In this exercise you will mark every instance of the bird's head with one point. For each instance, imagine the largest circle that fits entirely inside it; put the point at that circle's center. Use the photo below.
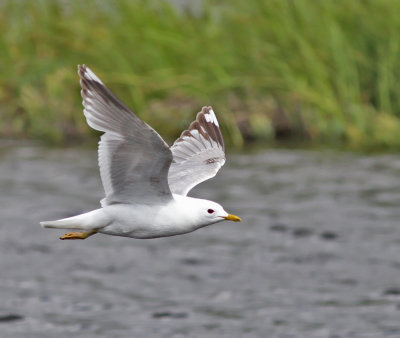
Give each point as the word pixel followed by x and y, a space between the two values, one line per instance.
pixel 209 212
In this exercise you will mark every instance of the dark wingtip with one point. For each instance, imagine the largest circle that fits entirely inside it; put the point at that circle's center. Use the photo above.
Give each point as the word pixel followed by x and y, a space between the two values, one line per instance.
pixel 206 108
pixel 81 70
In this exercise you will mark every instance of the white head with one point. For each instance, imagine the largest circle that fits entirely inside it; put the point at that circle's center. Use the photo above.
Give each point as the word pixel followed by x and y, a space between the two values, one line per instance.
pixel 205 212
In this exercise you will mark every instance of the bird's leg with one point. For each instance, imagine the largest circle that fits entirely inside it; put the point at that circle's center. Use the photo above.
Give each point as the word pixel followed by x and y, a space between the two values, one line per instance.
pixel 78 235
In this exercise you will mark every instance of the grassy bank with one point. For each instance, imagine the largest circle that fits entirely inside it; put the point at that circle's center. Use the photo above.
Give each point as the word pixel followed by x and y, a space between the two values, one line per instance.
pixel 323 71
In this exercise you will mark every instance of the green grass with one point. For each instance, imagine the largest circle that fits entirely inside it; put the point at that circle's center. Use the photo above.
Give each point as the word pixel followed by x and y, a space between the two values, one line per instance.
pixel 323 71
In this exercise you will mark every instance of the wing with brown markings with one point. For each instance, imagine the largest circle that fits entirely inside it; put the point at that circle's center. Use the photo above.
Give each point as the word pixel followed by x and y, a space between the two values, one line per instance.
pixel 198 153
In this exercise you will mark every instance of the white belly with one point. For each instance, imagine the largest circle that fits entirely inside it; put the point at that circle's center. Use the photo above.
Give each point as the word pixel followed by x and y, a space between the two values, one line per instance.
pixel 143 221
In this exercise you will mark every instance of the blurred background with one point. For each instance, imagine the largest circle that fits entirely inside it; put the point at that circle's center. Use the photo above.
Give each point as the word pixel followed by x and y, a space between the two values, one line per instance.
pixel 322 72
pixel 307 96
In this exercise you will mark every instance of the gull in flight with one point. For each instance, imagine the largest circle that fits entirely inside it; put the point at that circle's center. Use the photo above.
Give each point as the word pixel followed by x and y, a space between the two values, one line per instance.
pixel 145 181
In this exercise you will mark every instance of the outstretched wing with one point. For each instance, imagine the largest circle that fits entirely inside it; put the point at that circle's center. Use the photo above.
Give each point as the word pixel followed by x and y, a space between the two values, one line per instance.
pixel 133 159
pixel 198 153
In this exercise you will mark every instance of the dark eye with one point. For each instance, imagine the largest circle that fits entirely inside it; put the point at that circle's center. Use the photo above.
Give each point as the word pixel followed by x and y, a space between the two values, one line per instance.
pixel 210 211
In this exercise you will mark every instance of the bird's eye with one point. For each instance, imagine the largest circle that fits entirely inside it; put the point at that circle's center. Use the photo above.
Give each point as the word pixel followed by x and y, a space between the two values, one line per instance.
pixel 210 211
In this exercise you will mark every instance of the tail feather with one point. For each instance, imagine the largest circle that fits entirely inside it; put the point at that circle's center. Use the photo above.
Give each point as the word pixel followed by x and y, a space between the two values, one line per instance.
pixel 87 221
pixel 65 223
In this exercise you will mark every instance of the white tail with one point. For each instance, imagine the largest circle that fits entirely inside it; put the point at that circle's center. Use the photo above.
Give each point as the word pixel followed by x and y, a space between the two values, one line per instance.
pixel 85 221
pixel 66 223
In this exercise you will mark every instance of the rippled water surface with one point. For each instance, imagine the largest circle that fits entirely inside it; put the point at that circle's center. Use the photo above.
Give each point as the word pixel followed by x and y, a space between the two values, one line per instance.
pixel 317 253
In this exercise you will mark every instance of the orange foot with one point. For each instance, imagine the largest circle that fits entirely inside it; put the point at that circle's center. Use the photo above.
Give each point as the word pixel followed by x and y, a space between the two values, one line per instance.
pixel 78 235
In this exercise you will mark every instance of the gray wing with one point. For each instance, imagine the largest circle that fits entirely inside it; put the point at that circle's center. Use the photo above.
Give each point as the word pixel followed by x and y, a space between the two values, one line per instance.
pixel 133 159
pixel 198 153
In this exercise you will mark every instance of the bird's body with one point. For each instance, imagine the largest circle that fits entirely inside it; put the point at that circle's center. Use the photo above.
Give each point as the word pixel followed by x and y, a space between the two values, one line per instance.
pixel 145 181
pixel 142 221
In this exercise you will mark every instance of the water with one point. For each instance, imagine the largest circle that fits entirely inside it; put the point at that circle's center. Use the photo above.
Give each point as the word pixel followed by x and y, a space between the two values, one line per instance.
pixel 317 253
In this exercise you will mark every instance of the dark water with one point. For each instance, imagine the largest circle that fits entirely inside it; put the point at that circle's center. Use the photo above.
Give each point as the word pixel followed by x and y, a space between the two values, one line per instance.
pixel 317 255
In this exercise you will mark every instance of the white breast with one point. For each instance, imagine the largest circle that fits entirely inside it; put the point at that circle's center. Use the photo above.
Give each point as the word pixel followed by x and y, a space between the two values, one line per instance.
pixel 148 221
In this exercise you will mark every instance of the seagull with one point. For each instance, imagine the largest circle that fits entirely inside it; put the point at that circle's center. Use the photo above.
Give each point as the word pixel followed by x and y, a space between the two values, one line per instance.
pixel 145 181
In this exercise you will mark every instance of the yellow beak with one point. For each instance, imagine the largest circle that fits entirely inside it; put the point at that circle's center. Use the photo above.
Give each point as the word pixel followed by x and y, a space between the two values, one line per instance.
pixel 233 218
